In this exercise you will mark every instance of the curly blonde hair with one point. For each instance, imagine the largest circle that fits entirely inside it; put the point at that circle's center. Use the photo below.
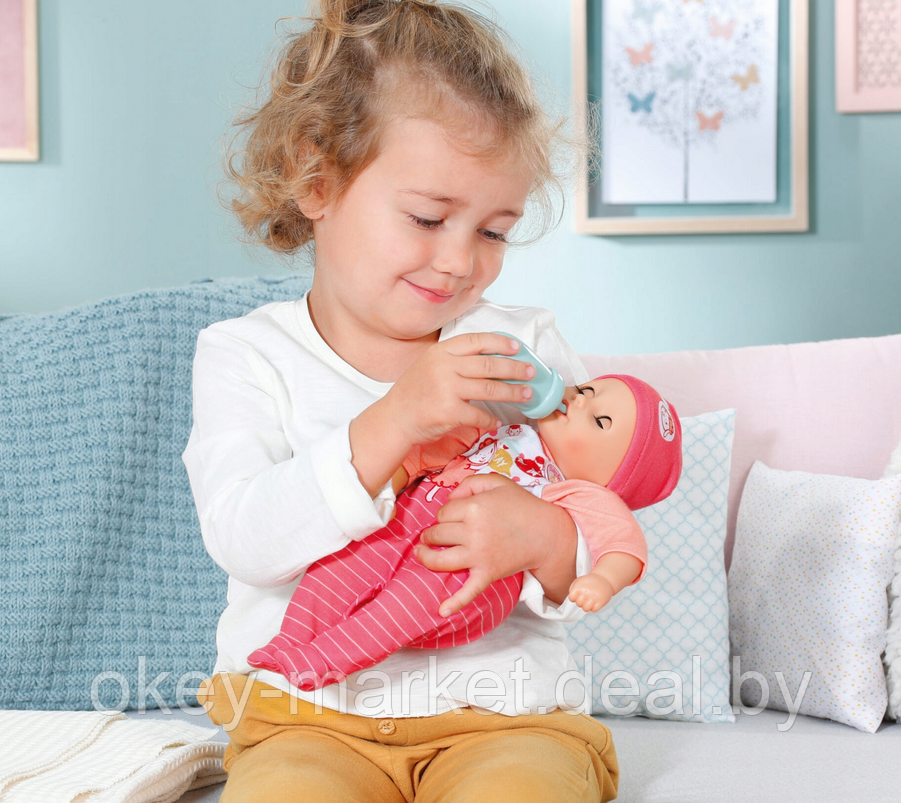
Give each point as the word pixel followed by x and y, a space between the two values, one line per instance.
pixel 339 80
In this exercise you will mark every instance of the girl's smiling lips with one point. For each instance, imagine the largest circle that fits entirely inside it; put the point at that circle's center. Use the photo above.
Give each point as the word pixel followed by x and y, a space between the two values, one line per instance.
pixel 435 296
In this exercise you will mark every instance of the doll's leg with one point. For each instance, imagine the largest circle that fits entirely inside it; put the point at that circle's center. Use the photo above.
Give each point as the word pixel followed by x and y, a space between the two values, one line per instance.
pixel 341 582
pixel 334 587
pixel 484 613
pixel 405 613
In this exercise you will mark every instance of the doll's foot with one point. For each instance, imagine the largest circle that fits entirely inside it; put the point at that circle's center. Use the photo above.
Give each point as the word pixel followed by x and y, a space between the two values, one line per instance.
pixel 303 664
pixel 590 592
pixel 310 681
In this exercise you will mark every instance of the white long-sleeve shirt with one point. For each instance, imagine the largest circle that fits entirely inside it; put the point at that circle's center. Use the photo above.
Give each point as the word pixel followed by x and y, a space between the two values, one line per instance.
pixel 269 462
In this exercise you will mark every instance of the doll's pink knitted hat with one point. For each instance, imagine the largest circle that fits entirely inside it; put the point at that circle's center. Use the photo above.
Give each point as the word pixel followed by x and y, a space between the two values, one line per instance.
pixel 651 468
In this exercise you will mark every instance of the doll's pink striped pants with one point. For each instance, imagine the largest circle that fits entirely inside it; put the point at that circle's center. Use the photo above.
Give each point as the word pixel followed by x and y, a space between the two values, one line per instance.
pixel 355 607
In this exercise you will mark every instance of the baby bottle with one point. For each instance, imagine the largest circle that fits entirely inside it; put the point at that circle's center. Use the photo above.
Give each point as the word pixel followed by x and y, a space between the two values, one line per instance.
pixel 547 385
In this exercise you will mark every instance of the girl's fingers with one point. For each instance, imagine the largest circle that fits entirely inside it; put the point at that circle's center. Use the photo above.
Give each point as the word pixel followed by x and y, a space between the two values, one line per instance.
pixel 474 484
pixel 452 559
pixel 493 390
pixel 448 533
pixel 480 343
pixel 479 366
pixel 475 584
pixel 476 417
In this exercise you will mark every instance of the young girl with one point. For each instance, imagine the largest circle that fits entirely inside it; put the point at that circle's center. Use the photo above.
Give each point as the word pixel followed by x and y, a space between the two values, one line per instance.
pixel 403 140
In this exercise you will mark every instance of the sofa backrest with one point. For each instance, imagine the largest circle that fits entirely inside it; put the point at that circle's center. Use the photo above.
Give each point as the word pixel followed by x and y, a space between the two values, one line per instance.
pixel 832 407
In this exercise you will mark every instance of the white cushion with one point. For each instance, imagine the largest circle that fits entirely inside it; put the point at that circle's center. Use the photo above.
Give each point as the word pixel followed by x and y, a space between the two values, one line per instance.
pixel 807 592
pixel 892 658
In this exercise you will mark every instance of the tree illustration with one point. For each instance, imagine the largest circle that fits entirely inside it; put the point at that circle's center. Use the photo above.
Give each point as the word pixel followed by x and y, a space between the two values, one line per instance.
pixel 685 69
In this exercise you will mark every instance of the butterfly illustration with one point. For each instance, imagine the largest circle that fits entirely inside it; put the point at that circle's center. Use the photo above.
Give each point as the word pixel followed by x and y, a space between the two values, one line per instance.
pixel 679 73
pixel 745 81
pixel 642 104
pixel 712 122
pixel 646 11
pixel 724 29
pixel 642 56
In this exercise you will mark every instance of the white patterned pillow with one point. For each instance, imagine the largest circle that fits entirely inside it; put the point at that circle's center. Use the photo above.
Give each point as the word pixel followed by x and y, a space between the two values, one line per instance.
pixel 807 592
pixel 892 657
pixel 661 648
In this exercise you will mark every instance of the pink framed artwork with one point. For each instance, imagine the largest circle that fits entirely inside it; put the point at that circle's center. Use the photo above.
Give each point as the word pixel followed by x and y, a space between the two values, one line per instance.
pixel 868 55
pixel 18 81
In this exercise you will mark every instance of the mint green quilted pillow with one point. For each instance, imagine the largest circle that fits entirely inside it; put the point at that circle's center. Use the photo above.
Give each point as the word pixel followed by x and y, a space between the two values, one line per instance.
pixel 661 648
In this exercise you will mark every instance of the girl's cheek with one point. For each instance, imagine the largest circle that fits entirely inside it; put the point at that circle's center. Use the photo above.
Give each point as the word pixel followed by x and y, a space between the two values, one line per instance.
pixel 491 270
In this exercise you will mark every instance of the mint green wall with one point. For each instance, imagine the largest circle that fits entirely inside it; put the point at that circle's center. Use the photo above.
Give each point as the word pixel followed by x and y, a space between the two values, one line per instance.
pixel 135 97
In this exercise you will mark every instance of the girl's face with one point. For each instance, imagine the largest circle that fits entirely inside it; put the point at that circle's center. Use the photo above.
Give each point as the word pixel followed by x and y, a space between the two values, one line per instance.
pixel 415 239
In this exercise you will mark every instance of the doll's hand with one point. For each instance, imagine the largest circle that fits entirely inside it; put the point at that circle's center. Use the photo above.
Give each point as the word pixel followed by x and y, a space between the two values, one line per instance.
pixel 591 592
pixel 494 528
pixel 432 396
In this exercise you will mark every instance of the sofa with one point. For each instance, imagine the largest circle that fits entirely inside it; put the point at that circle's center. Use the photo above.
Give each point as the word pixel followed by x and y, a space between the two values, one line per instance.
pixel 103 569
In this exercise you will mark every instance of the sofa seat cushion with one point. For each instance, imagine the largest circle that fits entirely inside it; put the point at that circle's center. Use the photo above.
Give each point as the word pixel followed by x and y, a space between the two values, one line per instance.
pixel 751 760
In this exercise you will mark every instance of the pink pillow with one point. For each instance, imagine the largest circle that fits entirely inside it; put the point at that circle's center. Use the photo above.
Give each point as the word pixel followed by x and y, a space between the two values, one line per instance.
pixel 832 407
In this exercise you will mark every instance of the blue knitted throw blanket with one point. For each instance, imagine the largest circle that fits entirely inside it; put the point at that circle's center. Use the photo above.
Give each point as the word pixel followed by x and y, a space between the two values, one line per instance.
pixel 107 596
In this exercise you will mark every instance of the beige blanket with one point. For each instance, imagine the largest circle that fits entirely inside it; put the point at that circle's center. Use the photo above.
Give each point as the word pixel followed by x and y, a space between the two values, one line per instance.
pixel 91 757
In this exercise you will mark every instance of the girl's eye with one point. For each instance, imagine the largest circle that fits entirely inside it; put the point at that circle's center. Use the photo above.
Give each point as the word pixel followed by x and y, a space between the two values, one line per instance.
pixel 493 235
pixel 604 421
pixel 426 223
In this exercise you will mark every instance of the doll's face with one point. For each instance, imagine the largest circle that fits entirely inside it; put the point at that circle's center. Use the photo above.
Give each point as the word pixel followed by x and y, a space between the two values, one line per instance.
pixel 590 440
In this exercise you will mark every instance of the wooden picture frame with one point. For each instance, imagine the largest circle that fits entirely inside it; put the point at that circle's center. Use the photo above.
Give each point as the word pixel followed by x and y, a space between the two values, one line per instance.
pixel 790 213
pixel 19 141
pixel 867 50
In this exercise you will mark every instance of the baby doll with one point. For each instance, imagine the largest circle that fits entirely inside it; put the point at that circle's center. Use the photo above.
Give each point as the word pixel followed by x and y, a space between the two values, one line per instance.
pixel 616 449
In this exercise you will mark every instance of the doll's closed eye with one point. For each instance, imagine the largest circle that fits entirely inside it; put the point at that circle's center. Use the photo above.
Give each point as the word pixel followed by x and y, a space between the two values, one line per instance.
pixel 604 421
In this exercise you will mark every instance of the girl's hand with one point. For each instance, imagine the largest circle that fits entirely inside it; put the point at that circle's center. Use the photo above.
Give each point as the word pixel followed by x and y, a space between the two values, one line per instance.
pixel 494 528
pixel 432 397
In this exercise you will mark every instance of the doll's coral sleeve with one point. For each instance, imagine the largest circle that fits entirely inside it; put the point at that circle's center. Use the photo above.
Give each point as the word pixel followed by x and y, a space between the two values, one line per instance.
pixel 603 518
pixel 429 457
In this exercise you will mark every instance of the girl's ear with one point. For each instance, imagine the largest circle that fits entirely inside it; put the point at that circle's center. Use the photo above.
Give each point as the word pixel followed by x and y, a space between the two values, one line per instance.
pixel 314 201
pixel 313 204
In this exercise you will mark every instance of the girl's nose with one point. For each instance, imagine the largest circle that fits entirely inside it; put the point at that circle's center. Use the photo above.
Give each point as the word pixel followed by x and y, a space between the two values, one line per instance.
pixel 455 258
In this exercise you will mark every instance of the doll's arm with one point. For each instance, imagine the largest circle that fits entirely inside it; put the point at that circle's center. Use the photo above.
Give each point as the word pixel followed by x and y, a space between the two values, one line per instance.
pixel 613 535
pixel 400 480
pixel 610 575
pixel 429 457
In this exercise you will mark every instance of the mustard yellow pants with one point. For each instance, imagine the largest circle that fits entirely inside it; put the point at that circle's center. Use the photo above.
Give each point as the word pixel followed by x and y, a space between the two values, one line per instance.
pixel 282 750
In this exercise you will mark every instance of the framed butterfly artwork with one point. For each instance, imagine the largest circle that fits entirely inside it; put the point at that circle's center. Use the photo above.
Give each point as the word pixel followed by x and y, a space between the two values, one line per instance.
pixel 18 81
pixel 868 56
pixel 699 109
